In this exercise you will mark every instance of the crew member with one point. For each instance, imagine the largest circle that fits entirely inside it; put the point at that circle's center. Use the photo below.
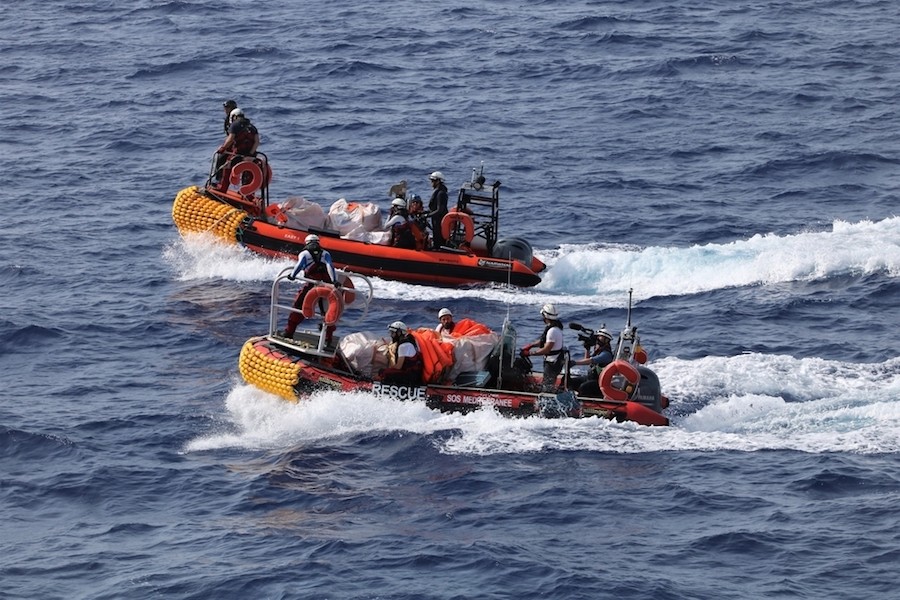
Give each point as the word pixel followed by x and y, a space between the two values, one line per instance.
pixel 550 346
pixel 313 263
pixel 404 358
pixel 242 141
pixel 437 207
pixel 400 226
pixel 601 356
pixel 445 327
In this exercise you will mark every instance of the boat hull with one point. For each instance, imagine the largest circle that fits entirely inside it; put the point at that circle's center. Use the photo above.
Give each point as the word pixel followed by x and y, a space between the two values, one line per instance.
pixel 235 220
pixel 294 375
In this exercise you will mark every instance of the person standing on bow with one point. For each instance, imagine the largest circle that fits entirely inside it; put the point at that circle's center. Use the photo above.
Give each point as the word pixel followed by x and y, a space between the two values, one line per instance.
pixel 228 105
pixel 404 358
pixel 445 327
pixel 437 207
pixel 242 141
pixel 601 356
pixel 313 263
pixel 550 346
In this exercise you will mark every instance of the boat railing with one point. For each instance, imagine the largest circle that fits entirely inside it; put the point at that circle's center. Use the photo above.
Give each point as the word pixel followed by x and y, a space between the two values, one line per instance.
pixel 355 295
pixel 249 176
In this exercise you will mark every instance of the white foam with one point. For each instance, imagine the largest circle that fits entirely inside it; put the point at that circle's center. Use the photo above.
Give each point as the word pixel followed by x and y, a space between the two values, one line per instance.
pixel 599 275
pixel 745 403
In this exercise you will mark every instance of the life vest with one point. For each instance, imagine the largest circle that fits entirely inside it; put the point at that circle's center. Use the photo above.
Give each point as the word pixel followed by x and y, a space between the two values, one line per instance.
pixel 418 230
pixel 402 236
pixel 411 364
pixel 244 137
pixel 597 368
pixel 318 270
pixel 543 340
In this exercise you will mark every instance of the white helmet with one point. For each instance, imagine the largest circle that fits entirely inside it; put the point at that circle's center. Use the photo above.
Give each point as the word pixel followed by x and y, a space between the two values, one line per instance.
pixel 312 238
pixel 445 312
pixel 398 203
pixel 437 175
pixel 549 311
pixel 604 333
pixel 235 114
pixel 398 326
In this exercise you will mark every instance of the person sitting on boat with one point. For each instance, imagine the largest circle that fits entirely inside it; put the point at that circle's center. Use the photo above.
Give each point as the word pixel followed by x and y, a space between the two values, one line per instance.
pixel 313 263
pixel 418 221
pixel 404 358
pixel 242 141
pixel 550 346
pixel 437 207
pixel 600 356
pixel 445 327
pixel 400 226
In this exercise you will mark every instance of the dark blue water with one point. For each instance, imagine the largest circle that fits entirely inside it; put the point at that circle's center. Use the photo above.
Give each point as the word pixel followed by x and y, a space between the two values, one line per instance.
pixel 734 163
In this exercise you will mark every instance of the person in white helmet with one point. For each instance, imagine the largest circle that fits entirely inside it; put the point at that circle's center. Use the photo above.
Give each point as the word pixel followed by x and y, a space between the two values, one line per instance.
pixel 313 263
pixel 550 346
pixel 242 141
pixel 445 327
pixel 437 207
pixel 400 225
pixel 404 358
pixel 600 356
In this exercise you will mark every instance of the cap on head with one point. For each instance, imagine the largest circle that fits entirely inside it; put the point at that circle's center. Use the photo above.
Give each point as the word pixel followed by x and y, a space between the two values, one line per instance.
pixel 230 104
pixel 398 327
pixel 436 175
pixel 445 312
pixel 235 114
pixel 548 311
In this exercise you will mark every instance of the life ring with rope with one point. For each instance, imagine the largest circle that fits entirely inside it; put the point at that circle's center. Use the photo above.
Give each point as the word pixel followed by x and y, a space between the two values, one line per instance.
pixel 334 298
pixel 628 372
pixel 454 217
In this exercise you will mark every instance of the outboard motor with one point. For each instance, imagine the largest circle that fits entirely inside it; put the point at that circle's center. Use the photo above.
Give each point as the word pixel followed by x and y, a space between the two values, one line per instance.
pixel 513 249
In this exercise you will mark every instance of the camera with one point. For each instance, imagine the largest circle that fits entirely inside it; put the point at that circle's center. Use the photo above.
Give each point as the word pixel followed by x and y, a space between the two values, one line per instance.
pixel 588 337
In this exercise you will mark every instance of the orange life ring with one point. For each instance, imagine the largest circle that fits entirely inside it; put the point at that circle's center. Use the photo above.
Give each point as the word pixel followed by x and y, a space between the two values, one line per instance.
pixel 626 370
pixel 257 180
pixel 455 217
pixel 349 293
pixel 335 303
pixel 275 211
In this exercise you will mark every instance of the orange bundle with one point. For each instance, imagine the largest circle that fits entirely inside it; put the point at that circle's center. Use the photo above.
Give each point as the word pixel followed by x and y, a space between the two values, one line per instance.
pixel 437 356
pixel 465 327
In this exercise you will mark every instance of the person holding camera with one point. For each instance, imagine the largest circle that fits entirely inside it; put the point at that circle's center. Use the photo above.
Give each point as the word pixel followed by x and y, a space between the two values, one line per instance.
pixel 599 357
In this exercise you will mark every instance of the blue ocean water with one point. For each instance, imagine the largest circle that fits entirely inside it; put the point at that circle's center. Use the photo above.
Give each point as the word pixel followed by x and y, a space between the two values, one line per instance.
pixel 735 164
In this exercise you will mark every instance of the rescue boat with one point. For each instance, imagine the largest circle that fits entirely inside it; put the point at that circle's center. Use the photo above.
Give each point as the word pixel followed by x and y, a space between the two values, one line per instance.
pixel 476 368
pixel 238 210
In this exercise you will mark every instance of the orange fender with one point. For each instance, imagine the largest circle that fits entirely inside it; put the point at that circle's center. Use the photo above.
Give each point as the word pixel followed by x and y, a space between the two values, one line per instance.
pixel 454 217
pixel 335 303
pixel 626 370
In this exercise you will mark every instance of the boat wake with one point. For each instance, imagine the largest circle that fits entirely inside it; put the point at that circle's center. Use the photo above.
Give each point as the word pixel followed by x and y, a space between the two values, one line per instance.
pixel 598 275
pixel 849 248
pixel 744 403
